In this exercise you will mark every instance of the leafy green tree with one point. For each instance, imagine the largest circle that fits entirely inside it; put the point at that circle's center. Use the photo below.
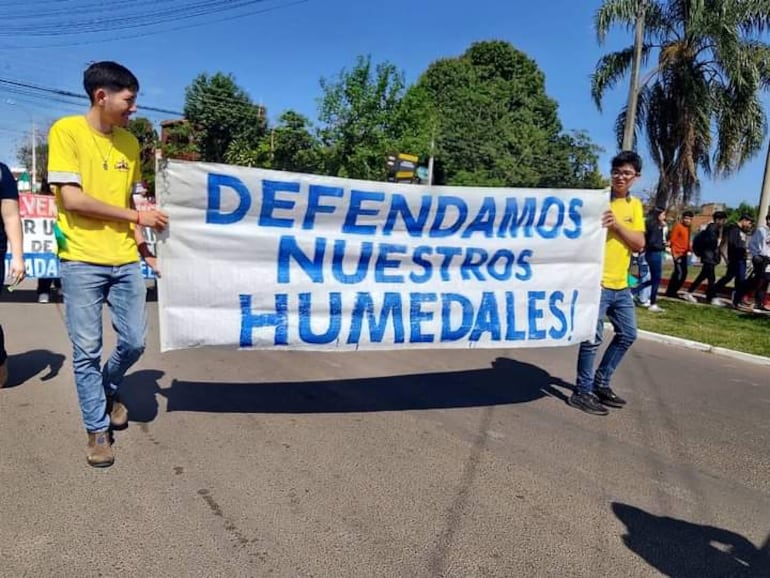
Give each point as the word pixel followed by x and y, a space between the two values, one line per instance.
pixel 358 110
pixel 244 154
pixel 699 104
pixel 24 156
pixel 733 214
pixel 222 113
pixel 574 163
pixel 293 146
pixel 147 136
pixel 494 124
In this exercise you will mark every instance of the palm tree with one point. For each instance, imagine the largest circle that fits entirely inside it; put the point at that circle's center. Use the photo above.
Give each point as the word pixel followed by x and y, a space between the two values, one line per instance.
pixel 698 104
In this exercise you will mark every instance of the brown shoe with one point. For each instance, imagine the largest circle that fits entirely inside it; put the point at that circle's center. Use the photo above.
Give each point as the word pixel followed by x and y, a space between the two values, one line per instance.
pixel 118 412
pixel 99 450
pixel 4 373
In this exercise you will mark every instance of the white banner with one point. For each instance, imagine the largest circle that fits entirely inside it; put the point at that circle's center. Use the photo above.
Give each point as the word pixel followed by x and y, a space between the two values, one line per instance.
pixel 267 259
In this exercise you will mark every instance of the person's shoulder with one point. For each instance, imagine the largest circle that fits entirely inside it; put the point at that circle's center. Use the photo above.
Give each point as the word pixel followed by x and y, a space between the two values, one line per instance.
pixel 5 173
pixel 635 202
pixel 69 122
pixel 69 125
pixel 8 187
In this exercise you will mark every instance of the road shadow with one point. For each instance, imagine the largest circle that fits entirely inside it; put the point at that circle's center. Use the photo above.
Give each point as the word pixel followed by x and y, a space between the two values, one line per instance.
pixel 507 381
pixel 682 549
pixel 24 366
pixel 20 296
pixel 139 392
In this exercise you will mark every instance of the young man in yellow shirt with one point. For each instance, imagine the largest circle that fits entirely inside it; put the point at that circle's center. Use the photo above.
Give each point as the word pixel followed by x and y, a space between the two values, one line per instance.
pixel 625 235
pixel 93 167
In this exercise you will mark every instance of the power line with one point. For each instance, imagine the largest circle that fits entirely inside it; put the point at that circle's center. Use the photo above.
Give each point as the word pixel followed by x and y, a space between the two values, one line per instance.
pixel 61 29
pixel 73 20
pixel 65 93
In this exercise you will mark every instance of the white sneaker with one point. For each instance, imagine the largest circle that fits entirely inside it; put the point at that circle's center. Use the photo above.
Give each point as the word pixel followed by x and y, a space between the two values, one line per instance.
pixel 44 298
pixel 717 302
pixel 689 297
pixel 644 303
pixel 655 309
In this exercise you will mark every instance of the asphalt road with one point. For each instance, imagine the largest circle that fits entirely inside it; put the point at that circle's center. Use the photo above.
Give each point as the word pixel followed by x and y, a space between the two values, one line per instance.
pixel 410 464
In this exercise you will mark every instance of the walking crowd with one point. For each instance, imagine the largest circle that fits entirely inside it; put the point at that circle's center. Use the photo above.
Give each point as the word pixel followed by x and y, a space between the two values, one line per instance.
pixel 744 249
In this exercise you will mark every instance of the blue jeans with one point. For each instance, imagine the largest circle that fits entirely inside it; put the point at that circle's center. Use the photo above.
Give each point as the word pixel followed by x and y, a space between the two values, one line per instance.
pixel 618 306
pixel 86 288
pixel 645 280
pixel 654 261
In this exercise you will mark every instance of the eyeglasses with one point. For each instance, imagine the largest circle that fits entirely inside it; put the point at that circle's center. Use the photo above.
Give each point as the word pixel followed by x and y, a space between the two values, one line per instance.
pixel 624 174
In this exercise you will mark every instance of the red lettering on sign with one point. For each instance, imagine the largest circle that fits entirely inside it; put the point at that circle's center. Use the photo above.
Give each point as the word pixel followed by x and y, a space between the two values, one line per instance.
pixel 37 206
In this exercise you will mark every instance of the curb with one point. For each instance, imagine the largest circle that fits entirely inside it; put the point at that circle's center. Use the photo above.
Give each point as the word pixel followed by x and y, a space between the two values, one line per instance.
pixel 698 346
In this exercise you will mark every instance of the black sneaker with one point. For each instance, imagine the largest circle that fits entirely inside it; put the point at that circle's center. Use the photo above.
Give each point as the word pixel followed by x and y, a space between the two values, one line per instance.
pixel 609 397
pixel 588 403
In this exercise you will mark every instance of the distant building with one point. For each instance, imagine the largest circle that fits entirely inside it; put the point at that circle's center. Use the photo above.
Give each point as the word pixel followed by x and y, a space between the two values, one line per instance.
pixel 177 140
pixel 706 215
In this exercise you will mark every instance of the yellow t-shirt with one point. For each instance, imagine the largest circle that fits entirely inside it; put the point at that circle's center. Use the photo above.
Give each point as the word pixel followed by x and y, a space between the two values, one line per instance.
pixel 106 168
pixel 629 212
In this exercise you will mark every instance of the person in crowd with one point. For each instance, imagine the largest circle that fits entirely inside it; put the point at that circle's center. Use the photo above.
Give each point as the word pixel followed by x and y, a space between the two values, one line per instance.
pixel 10 230
pixel 706 246
pixel 736 243
pixel 624 221
pixel 680 252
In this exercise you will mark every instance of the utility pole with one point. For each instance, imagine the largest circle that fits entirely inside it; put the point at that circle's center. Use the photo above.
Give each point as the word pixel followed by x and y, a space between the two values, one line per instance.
pixel 33 179
pixel 430 162
pixel 764 197
pixel 633 90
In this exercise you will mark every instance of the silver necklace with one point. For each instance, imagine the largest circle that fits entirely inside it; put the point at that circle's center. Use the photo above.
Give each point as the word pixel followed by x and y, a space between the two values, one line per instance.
pixel 105 159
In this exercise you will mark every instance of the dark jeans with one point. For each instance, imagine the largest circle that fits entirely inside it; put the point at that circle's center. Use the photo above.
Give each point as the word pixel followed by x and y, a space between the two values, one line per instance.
pixel 759 279
pixel 735 270
pixel 707 273
pixel 44 285
pixel 678 277
pixel 655 263
pixel 3 354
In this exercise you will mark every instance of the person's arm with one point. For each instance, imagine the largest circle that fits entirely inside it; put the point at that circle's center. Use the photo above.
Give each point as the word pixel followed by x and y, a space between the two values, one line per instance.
pixel 144 249
pixel 12 222
pixel 755 243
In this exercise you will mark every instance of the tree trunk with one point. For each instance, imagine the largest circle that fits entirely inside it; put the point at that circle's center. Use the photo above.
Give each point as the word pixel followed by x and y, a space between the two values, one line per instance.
pixel 633 90
pixel 764 197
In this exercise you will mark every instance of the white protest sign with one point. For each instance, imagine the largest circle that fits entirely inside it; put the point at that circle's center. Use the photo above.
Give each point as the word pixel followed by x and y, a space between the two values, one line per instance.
pixel 267 259
pixel 38 215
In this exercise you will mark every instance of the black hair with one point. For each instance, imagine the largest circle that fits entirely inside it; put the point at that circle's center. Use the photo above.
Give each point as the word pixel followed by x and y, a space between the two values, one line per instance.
pixel 109 75
pixel 719 215
pixel 746 217
pixel 627 158
pixel 688 214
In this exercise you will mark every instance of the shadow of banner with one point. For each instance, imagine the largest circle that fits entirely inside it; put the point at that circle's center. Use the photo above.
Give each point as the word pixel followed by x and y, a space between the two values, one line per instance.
pixel 506 382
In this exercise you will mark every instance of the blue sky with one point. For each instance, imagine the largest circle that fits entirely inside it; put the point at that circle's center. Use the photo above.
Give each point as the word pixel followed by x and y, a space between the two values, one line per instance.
pixel 279 56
